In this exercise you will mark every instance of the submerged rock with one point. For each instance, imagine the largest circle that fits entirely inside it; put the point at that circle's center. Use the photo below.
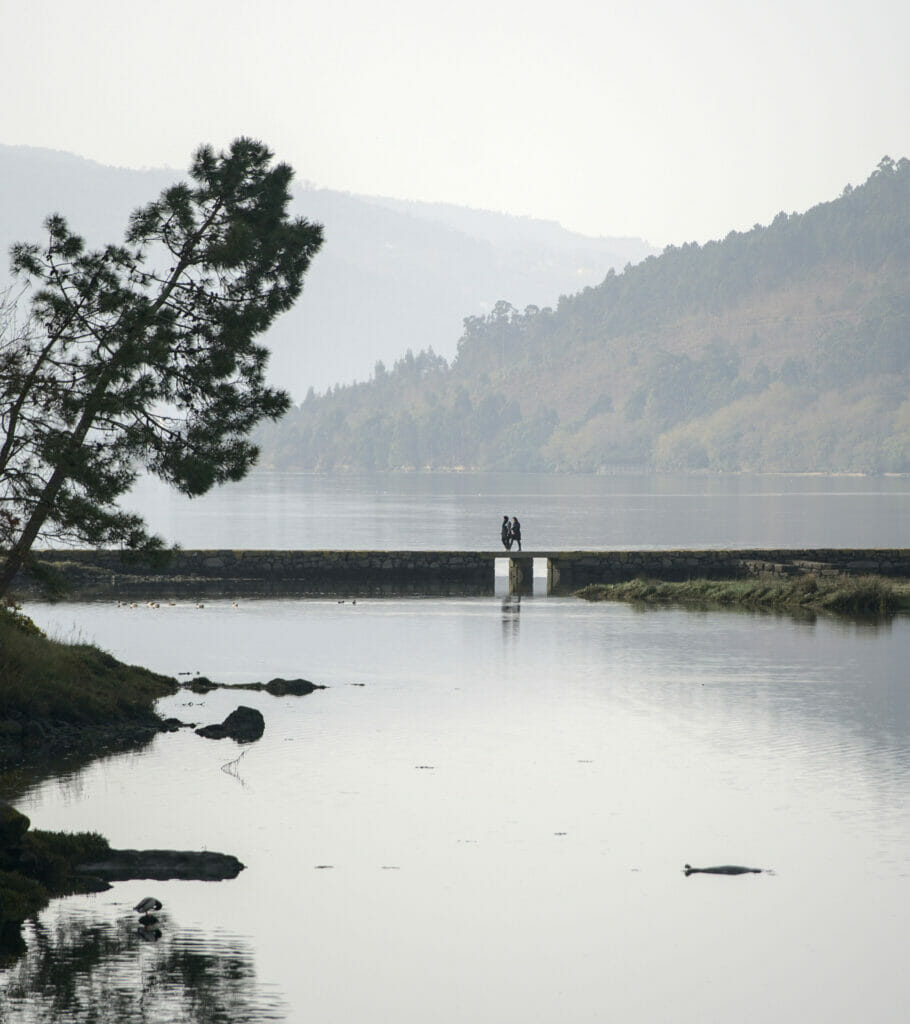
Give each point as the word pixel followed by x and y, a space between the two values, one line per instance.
pixel 287 687
pixel 161 865
pixel 173 725
pixel 243 724
pixel 200 684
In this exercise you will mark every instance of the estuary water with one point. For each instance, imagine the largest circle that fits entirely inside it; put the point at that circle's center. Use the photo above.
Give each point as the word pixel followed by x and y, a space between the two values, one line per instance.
pixel 423 511
pixel 485 814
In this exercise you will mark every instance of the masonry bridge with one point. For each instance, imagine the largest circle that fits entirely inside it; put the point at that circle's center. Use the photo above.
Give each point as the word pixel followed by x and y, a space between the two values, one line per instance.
pixel 439 572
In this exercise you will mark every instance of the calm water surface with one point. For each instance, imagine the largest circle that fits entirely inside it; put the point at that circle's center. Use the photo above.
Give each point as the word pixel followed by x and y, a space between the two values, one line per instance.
pixel 485 816
pixel 419 511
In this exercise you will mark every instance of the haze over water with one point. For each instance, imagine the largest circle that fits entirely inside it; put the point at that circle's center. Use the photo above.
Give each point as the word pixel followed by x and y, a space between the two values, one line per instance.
pixel 486 814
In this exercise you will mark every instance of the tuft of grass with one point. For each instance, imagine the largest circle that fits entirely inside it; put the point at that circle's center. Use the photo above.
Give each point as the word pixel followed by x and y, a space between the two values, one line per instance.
pixel 843 595
pixel 46 679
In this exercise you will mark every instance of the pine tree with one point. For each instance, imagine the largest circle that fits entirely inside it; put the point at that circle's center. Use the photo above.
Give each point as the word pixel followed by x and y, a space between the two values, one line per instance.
pixel 142 356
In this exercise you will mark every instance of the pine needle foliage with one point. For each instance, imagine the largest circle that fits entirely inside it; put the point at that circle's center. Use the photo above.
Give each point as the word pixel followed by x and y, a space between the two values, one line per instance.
pixel 143 356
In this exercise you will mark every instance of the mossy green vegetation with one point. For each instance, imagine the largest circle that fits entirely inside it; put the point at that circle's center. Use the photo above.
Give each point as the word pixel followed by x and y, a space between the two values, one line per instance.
pixel 844 595
pixel 36 866
pixel 75 683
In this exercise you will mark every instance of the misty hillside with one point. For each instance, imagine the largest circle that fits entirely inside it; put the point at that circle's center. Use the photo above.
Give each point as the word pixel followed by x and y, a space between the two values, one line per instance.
pixel 784 348
pixel 391 274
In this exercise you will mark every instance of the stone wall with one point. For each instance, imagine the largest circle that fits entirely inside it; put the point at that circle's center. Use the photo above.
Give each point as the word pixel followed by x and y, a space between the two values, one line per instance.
pixel 444 571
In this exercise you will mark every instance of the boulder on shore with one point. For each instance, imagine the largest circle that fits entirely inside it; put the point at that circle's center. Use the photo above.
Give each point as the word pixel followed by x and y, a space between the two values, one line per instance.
pixel 242 724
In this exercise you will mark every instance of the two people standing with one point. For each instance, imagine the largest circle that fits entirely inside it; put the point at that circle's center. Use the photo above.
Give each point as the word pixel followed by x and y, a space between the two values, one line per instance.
pixel 510 532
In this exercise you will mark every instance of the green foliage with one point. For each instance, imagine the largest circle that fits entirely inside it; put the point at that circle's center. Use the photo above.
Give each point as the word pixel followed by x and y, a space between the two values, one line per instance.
pixel 142 355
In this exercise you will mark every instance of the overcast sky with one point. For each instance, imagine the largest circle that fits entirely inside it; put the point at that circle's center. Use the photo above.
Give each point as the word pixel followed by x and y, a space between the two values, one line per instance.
pixel 667 120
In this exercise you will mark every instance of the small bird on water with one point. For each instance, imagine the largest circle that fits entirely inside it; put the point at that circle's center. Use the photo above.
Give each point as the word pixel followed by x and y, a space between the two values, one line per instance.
pixel 147 905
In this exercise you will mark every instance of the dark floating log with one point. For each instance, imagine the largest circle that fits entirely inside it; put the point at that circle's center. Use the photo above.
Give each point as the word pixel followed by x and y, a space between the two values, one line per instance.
pixel 723 869
pixel 161 865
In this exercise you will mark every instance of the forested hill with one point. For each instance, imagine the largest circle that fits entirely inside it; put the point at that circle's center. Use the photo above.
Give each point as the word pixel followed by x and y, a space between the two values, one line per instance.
pixel 784 348
pixel 391 274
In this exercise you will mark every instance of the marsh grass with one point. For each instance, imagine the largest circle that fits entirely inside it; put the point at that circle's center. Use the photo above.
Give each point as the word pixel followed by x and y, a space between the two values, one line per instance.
pixel 44 678
pixel 843 595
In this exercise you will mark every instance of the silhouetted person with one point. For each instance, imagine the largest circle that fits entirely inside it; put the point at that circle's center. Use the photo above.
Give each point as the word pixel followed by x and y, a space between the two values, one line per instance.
pixel 506 533
pixel 516 532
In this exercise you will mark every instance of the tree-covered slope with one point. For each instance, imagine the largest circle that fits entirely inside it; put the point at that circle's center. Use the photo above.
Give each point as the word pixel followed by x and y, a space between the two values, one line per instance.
pixel 390 275
pixel 783 348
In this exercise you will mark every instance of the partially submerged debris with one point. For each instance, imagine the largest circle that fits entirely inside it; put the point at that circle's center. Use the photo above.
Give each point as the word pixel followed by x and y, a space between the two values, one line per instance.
pixel 723 869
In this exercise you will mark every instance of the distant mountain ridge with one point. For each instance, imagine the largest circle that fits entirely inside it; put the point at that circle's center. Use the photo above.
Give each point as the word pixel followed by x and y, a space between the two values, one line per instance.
pixel 392 274
pixel 784 348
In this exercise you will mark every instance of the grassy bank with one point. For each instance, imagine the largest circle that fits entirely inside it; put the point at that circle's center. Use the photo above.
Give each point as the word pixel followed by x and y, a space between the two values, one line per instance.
pixel 58 698
pixel 844 595
pixel 44 680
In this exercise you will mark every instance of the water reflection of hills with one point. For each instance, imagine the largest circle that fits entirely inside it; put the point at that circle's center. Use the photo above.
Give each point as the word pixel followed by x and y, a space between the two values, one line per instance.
pixel 79 968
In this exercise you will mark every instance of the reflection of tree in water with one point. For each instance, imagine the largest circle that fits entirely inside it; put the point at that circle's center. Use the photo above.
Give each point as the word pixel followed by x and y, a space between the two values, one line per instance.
pixel 89 972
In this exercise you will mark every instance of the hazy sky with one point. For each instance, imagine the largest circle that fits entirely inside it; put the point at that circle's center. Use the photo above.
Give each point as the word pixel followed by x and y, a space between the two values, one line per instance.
pixel 668 120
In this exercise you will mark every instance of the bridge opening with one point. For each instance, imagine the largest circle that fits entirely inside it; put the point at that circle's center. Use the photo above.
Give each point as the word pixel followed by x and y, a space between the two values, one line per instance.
pixel 522 575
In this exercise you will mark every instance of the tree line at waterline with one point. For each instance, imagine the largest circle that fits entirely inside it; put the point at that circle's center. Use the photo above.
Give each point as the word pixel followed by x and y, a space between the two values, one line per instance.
pixel 784 348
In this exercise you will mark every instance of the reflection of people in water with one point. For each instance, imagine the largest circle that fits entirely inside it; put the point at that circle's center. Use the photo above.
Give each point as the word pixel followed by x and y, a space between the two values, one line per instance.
pixel 511 607
pixel 506 533
pixel 515 532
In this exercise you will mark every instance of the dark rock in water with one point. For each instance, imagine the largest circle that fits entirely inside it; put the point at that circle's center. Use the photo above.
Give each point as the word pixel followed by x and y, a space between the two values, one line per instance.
pixel 119 865
pixel 201 684
pixel 723 869
pixel 291 687
pixel 13 826
pixel 172 725
pixel 276 687
pixel 243 724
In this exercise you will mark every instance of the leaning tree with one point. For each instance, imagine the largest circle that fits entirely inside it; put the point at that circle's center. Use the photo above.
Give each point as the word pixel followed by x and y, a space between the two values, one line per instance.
pixel 142 356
